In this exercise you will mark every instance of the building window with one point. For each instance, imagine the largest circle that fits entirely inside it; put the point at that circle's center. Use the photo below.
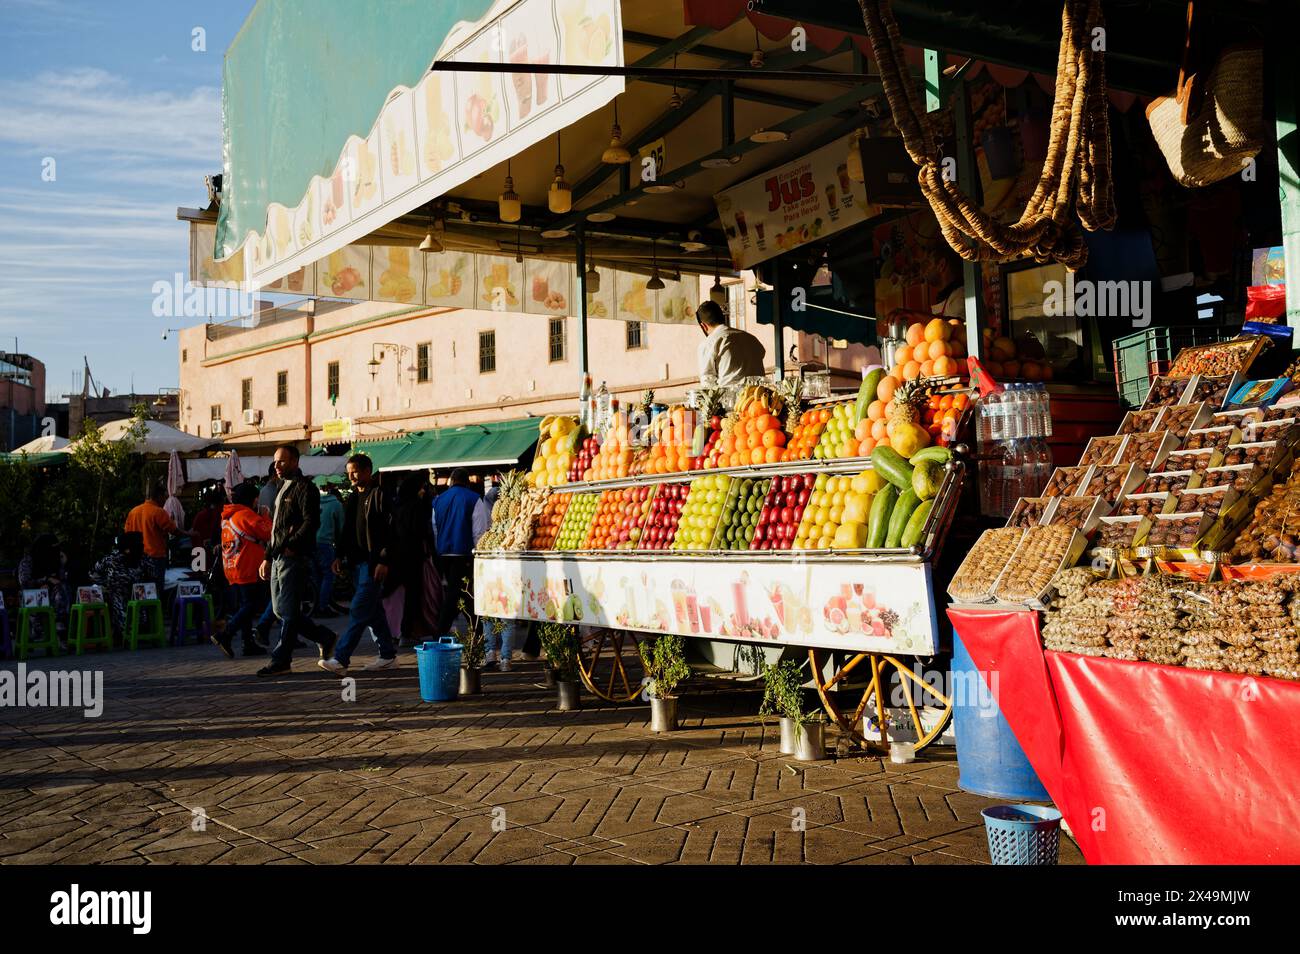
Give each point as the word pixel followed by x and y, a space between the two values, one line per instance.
pixel 558 340
pixel 635 333
pixel 332 380
pixel 422 362
pixel 281 388
pixel 185 355
pixel 245 394
pixel 215 417
pixel 487 352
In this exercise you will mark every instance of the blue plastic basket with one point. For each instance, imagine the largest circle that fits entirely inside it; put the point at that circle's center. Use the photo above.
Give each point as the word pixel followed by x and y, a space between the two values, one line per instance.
pixel 1022 834
pixel 439 668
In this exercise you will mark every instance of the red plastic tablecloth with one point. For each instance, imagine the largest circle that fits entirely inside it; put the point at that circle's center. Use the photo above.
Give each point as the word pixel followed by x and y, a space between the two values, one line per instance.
pixel 1149 764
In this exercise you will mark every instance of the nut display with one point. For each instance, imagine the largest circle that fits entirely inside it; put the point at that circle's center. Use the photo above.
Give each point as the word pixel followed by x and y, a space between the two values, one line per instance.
pixel 1240 477
pixel 1076 512
pixel 1217 438
pixel 1168 481
pixel 1138 422
pixel 1263 453
pixel 1143 505
pixel 1040 556
pixel 1193 460
pixel 1223 358
pixel 1065 481
pixel 979 571
pixel 1102 450
pixel 1176 530
pixel 1109 482
pixel 1121 532
pixel 1212 390
pixel 1029 511
pixel 1182 418
pixel 1146 450
pixel 1164 392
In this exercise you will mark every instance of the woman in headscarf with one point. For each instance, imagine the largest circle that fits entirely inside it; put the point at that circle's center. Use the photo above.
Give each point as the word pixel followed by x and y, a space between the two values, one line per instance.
pixel 118 573
pixel 44 566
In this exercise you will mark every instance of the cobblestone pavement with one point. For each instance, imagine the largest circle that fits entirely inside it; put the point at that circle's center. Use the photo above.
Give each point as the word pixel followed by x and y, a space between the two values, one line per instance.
pixel 288 772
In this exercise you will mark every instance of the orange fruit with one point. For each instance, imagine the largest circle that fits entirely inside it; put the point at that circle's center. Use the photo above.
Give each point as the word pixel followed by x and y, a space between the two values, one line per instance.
pixel 739 459
pixel 770 437
pixel 851 447
pixel 945 402
pixel 772 455
pixel 765 422
pixel 885 389
pixel 683 462
pixel 915 334
pixel 957 348
pixel 877 429
pixel 876 410
pixel 937 349
pixel 866 446
pixel 863 429
pixel 945 366
pixel 823 416
pixel 903 354
pixel 927 368
pixel 937 329
pixel 959 401
pixel 883 442
pixel 911 371
pixel 757 455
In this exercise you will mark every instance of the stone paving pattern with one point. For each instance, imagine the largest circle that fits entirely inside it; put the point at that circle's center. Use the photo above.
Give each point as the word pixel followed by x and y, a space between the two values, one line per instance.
pixel 289 773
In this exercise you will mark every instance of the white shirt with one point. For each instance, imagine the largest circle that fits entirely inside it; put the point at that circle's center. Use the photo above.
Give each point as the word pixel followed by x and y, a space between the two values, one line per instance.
pixel 478 523
pixel 728 355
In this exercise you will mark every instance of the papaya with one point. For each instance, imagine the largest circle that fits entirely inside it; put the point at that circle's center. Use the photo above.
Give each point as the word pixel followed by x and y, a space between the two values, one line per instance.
pixel 926 478
pixel 903 507
pixel 878 525
pixel 867 394
pixel 892 466
pixel 916 524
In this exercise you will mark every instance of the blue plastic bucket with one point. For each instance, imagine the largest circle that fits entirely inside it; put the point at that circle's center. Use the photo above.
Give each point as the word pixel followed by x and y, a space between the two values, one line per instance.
pixel 439 667
pixel 989 759
pixel 1022 834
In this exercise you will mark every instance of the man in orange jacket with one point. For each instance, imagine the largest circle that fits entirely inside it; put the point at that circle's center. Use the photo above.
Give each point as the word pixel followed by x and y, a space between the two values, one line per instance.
pixel 244 536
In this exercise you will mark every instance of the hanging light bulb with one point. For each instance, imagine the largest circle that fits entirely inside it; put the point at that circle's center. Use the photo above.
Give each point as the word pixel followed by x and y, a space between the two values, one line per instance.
pixel 591 279
pixel 717 294
pixel 675 100
pixel 853 164
pixel 756 59
pixel 430 243
pixel 655 283
pixel 560 199
pixel 508 205
pixel 616 154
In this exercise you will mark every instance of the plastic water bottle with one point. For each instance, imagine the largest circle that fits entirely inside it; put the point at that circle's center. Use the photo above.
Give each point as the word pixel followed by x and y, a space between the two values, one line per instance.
pixel 1014 404
pixel 1046 410
pixel 997 428
pixel 602 407
pixel 1012 473
pixel 1045 462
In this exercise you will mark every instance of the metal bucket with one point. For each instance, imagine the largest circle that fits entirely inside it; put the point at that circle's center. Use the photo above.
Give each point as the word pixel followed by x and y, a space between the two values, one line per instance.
pixel 568 698
pixel 470 682
pixel 548 674
pixel 663 714
pixel 811 744
pixel 788 736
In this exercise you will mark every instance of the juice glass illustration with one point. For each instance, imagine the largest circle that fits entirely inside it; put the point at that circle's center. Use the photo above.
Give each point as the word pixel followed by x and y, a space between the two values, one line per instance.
pixel 759 229
pixel 706 618
pixel 739 597
pixel 831 204
pixel 693 611
pixel 523 82
pixel 541 288
pixel 740 224
pixel 778 603
pixel 846 187
pixel 679 604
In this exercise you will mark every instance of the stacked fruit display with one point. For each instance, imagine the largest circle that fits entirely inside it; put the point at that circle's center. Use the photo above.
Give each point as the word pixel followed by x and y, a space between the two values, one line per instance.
pixel 665 510
pixel 587 451
pixel 807 432
pixel 614 459
pixel 619 517
pixel 1023 359
pixel 934 348
pixel 756 438
pixel 740 515
pixel 548 524
pixel 942 416
pixel 577 521
pixel 703 512
pixel 836 502
pixel 782 512
pixel 838 439
pixel 557 446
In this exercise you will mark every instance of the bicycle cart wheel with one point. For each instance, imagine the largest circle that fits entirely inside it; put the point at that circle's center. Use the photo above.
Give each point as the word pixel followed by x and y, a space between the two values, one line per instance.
pixel 609 662
pixel 877 672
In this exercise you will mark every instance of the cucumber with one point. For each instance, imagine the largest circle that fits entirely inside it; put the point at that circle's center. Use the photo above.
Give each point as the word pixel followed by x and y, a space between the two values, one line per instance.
pixel 892 467
pixel 940 455
pixel 916 524
pixel 907 502
pixel 878 524
pixel 866 394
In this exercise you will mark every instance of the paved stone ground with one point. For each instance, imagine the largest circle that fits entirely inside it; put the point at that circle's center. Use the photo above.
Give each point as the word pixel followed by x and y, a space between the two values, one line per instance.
pixel 287 772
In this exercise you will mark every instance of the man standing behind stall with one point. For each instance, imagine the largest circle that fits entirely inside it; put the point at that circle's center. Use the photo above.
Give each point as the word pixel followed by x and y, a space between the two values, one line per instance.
pixel 289 560
pixel 727 355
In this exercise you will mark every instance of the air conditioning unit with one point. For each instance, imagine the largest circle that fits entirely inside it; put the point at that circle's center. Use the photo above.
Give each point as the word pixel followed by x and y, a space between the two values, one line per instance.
pixel 252 416
pixel 218 427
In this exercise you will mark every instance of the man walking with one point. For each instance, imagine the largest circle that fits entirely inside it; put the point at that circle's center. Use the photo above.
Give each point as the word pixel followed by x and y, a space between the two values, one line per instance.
pixel 288 561
pixel 365 547
pixel 460 517
pixel 150 520
pixel 327 539
pixel 245 534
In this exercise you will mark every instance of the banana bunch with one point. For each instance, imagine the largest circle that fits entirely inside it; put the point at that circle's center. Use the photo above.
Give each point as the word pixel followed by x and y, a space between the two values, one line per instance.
pixel 760 394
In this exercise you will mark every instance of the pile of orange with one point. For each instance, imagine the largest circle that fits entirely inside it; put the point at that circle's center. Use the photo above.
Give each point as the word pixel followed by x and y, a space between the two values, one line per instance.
pixel 807 432
pixel 942 416
pixel 670 454
pixel 614 459
pixel 547 527
pixel 756 438
pixel 936 348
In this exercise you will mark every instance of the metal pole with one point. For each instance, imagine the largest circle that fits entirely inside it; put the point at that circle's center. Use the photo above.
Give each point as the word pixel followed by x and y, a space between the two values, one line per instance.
pixel 968 180
pixel 1287 87
pixel 581 261
pixel 778 329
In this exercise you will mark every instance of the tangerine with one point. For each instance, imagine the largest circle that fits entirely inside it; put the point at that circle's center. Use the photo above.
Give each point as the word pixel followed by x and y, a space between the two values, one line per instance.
pixel 757 455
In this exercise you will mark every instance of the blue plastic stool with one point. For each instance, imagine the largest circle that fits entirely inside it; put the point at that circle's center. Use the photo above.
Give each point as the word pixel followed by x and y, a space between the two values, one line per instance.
pixel 144 624
pixel 439 668
pixel 183 624
pixel 89 625
pixel 6 639
pixel 1022 834
pixel 49 640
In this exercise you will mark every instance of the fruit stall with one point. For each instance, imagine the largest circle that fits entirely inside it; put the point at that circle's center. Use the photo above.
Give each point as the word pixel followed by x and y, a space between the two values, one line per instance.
pixel 772 525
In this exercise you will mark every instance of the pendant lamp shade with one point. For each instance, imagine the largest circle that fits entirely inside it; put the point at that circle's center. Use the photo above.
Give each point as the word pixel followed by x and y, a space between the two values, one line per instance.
pixel 509 208
pixel 616 154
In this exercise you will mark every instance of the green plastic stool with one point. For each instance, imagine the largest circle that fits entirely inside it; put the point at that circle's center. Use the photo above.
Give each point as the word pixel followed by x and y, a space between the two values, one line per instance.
pixel 49 641
pixel 144 624
pixel 89 626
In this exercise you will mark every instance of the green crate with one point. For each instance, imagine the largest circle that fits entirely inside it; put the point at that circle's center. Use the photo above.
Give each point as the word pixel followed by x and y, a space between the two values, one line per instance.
pixel 1145 355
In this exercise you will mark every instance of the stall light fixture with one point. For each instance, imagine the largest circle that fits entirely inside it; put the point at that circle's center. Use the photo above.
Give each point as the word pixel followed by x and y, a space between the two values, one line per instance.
pixel 655 283
pixel 853 164
pixel 601 217
pixel 560 199
pixel 508 205
pixel 719 162
pixel 675 100
pixel 591 279
pixel 616 154
pixel 769 135
pixel 663 188
pixel 373 366
pixel 431 243
pixel 756 59
pixel 555 233
pixel 717 294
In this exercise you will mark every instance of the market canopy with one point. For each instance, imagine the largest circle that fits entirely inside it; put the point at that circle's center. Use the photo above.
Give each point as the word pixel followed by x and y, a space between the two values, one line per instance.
pixel 499 444
pixel 50 459
pixel 158 438
pixel 45 444
pixel 333 124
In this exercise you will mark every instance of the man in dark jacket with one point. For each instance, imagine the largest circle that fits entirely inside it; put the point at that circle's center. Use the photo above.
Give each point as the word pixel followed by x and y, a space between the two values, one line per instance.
pixel 365 546
pixel 289 560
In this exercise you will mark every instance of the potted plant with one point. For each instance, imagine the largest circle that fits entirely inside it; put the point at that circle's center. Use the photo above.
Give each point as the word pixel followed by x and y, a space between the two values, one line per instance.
pixel 560 644
pixel 810 733
pixel 473 651
pixel 664 659
pixel 783 697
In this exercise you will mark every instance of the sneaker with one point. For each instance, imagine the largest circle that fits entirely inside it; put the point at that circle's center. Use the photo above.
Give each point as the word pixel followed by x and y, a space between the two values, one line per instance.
pixel 251 648
pixel 489 659
pixel 379 662
pixel 334 667
pixel 329 639
pixel 223 642
pixel 261 635
pixel 504 665
pixel 275 669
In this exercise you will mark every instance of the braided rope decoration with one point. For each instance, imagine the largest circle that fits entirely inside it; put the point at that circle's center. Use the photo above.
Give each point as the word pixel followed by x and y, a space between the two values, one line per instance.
pixel 1076 171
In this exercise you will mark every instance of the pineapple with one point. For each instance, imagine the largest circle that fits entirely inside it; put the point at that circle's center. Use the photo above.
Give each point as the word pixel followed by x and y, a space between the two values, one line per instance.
pixel 907 436
pixel 643 413
pixel 790 391
pixel 513 484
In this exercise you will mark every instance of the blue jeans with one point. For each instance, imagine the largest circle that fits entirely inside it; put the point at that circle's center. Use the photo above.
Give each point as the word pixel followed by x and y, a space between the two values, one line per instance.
pixel 367 611
pixel 290 585
pixel 248 602
pixel 324 575
pixel 507 638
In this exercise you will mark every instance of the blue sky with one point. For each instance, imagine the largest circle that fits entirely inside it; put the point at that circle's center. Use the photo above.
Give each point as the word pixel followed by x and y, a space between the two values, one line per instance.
pixel 131 115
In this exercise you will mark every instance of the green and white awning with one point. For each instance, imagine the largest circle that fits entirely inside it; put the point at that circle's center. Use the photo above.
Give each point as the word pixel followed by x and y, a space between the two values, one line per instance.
pixel 333 125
